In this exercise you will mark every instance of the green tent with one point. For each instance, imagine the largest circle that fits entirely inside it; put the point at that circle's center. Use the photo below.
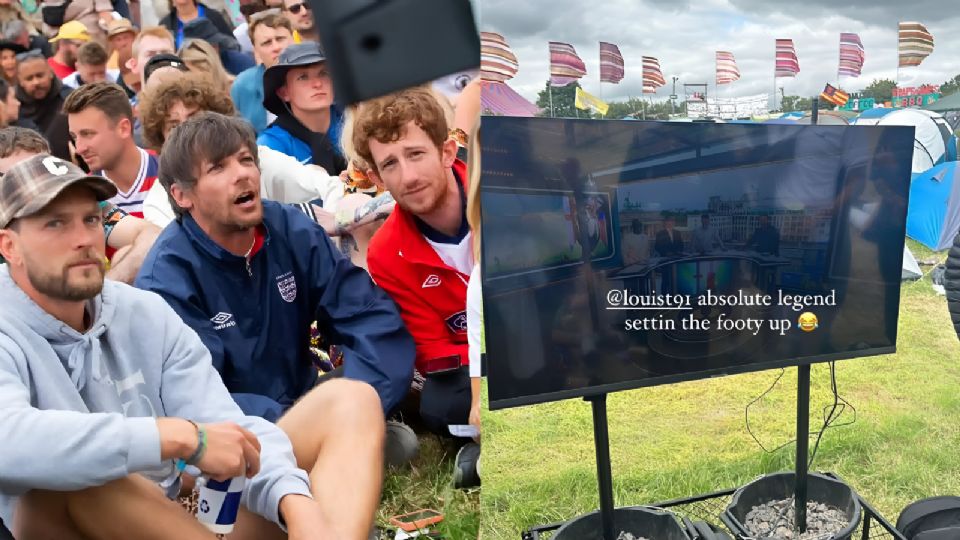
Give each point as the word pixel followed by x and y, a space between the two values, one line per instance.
pixel 944 104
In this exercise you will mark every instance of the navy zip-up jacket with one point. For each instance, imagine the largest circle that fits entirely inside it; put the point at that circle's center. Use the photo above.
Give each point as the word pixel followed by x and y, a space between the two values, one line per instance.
pixel 255 319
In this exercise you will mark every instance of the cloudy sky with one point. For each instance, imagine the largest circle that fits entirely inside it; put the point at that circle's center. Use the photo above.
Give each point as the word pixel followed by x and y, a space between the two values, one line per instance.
pixel 684 34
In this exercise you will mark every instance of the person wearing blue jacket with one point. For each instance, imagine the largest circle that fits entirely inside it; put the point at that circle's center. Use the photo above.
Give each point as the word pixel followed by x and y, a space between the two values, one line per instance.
pixel 298 90
pixel 249 276
pixel 253 311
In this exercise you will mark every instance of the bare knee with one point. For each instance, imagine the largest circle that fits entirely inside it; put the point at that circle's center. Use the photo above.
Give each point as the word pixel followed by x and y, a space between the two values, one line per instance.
pixel 355 401
pixel 349 402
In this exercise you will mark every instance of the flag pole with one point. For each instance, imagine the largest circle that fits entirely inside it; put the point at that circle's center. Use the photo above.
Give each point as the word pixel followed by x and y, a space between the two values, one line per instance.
pixel 550 79
pixel 599 73
pixel 897 80
pixel 550 93
pixel 774 91
pixel 716 83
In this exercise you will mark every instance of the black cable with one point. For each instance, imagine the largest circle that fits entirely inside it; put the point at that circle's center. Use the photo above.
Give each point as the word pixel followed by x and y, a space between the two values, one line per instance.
pixel 830 414
pixel 833 415
pixel 746 414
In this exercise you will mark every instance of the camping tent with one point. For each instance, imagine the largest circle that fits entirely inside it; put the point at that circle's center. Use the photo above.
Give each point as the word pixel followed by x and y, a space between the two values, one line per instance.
pixel 824 118
pixel 911 270
pixel 934 141
pixel 944 104
pixel 933 217
pixel 499 99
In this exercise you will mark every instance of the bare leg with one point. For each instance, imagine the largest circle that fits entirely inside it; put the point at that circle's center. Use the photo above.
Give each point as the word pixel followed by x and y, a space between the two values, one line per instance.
pixel 337 431
pixel 107 512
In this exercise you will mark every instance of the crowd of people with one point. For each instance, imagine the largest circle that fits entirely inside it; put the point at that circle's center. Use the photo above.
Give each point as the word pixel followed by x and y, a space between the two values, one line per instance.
pixel 210 267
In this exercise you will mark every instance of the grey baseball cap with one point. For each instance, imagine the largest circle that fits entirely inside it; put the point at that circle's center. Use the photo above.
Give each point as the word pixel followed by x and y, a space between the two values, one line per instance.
pixel 32 184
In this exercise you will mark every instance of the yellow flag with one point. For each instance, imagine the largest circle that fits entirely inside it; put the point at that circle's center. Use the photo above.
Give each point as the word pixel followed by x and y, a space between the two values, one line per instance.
pixel 586 101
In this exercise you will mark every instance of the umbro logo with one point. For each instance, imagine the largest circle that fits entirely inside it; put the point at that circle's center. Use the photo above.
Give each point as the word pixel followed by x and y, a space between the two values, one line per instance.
pixel 222 320
pixel 432 280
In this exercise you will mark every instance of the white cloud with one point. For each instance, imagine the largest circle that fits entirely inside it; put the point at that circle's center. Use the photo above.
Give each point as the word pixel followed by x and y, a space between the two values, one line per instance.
pixel 684 35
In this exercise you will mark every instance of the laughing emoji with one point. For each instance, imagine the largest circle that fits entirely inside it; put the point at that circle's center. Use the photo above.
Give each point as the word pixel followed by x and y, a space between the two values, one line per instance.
pixel 807 322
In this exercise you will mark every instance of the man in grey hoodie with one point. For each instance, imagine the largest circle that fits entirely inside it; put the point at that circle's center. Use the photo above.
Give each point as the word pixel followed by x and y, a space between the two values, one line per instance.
pixel 97 406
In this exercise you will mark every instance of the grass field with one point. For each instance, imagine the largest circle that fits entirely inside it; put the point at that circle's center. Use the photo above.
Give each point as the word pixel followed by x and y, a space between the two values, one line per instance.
pixel 428 483
pixel 680 440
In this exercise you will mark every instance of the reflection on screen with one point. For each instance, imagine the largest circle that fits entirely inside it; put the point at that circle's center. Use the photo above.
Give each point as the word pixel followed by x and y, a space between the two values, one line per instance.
pixel 550 230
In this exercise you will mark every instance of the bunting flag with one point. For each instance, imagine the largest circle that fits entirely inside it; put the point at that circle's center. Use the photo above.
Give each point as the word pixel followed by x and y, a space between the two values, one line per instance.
pixel 834 95
pixel 727 71
pixel 565 66
pixel 611 63
pixel 916 43
pixel 586 101
pixel 652 76
pixel 851 55
pixel 788 65
pixel 497 61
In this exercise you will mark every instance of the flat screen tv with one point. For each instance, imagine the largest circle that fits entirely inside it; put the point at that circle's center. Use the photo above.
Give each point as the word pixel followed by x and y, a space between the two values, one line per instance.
pixel 622 254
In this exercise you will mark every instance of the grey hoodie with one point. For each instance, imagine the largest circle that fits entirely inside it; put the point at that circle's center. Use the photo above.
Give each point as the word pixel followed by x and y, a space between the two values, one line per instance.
pixel 77 410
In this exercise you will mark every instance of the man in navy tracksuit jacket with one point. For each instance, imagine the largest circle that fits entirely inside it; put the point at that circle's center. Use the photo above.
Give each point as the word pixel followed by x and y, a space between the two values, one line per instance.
pixel 254 316
pixel 249 276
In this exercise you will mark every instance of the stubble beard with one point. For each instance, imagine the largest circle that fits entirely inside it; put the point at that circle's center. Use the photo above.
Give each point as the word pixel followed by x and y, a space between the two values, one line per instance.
pixel 59 287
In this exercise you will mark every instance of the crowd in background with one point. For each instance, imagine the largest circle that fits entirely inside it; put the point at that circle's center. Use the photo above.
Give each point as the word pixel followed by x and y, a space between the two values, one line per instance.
pixel 322 254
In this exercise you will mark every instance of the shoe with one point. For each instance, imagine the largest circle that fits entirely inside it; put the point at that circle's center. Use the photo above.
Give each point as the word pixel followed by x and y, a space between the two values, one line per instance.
pixel 467 473
pixel 401 446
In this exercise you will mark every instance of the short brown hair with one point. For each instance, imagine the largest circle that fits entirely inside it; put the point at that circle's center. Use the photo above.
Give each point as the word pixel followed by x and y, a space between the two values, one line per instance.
pixel 209 137
pixel 15 138
pixel 108 97
pixel 155 31
pixel 193 89
pixel 385 118
pixel 92 53
pixel 270 20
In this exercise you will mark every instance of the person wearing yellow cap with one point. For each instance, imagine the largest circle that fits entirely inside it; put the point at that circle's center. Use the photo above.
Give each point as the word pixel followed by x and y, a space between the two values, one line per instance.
pixel 68 39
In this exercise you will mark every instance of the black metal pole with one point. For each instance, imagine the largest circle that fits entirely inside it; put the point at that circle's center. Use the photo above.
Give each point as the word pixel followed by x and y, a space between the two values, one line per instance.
pixel 803 446
pixel 803 412
pixel 601 441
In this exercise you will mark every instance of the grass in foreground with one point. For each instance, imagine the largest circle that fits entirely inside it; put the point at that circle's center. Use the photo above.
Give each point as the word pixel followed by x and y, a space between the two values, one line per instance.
pixel 680 440
pixel 428 483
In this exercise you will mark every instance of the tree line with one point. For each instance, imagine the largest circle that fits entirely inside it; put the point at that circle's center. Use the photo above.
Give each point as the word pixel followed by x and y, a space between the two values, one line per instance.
pixel 562 101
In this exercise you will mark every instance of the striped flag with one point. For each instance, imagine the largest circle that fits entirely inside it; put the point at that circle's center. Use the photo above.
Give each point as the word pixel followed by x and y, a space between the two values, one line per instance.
pixel 834 95
pixel 497 61
pixel 727 71
pixel 788 65
pixel 611 63
pixel 652 76
pixel 851 55
pixel 565 66
pixel 916 43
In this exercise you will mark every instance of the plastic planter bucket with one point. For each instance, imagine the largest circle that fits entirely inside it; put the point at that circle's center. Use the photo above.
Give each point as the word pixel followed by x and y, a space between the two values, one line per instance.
pixel 639 521
pixel 820 489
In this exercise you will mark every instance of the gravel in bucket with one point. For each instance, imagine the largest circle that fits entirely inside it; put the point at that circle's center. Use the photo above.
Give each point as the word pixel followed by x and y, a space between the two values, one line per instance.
pixel 624 535
pixel 775 519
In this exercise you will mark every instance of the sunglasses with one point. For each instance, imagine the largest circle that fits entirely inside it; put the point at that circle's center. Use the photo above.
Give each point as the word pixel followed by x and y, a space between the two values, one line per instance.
pixel 295 9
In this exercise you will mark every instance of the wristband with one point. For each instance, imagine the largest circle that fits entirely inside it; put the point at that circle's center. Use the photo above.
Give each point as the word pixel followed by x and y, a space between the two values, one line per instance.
pixel 200 450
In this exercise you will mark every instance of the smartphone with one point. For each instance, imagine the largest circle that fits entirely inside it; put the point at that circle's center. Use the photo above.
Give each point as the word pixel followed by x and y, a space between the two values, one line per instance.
pixel 417 520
